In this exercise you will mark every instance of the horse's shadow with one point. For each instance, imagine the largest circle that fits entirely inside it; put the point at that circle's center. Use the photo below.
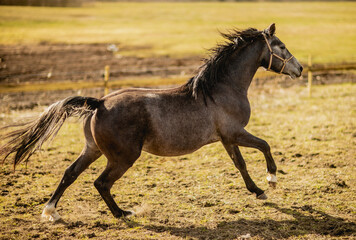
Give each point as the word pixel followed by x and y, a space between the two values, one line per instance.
pixel 315 222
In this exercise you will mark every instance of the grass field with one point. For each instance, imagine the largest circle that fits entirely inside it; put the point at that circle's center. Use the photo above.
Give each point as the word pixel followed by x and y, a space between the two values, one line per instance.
pixel 201 195
pixel 326 30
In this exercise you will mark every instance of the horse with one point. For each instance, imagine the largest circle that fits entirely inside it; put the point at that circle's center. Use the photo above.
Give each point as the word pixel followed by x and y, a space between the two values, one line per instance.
pixel 211 106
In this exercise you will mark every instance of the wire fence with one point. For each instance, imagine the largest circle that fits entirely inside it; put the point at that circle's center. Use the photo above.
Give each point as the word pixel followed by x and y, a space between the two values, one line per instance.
pixel 174 70
pixel 314 68
pixel 100 73
pixel 29 95
pixel 101 77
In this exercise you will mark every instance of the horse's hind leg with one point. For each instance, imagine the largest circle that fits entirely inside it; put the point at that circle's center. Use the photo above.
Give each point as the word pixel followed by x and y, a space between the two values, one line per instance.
pixel 87 157
pixel 235 154
pixel 118 164
pixel 89 154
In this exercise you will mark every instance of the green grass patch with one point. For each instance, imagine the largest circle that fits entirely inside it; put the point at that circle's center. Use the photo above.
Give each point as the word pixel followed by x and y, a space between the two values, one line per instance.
pixel 326 30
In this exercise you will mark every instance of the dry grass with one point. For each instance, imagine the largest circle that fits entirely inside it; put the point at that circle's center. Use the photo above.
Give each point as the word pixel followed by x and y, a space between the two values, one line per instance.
pixel 326 30
pixel 67 85
pixel 112 84
pixel 201 195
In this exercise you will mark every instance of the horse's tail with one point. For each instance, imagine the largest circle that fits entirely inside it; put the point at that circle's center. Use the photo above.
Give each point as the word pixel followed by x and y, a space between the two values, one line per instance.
pixel 25 141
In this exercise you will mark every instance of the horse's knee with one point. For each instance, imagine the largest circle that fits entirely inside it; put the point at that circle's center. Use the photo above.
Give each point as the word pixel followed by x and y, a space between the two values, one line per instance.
pixel 103 183
pixel 264 146
pixel 100 185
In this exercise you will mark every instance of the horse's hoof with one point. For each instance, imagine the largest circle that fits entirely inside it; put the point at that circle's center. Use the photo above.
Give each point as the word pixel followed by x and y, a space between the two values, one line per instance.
pixel 50 214
pixel 272 184
pixel 129 213
pixel 262 196
pixel 272 180
pixel 125 214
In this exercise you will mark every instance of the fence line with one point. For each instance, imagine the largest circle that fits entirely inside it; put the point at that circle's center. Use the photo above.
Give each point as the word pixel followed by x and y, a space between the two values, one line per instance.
pixel 331 67
pixel 325 68
pixel 104 74
pixel 106 80
pixel 310 75
pixel 99 73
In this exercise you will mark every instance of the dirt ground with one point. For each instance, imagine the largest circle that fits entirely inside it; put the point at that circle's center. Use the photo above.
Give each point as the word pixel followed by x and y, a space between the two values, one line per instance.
pixel 201 195
pixel 197 196
pixel 26 64
pixel 73 62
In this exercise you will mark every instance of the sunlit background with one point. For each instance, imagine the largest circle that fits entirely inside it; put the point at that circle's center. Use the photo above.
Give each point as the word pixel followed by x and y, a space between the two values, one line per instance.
pixel 52 49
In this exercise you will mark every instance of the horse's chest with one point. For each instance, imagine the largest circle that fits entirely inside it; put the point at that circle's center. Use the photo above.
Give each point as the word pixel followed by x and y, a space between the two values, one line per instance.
pixel 241 113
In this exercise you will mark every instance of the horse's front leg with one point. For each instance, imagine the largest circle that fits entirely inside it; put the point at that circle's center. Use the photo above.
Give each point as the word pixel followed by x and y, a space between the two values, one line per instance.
pixel 235 154
pixel 246 139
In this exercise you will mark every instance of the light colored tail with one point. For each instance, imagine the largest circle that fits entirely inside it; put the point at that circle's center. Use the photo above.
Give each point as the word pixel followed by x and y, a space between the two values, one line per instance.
pixel 26 140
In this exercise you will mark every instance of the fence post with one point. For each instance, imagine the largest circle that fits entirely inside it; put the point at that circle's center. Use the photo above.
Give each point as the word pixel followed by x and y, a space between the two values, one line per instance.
pixel 106 79
pixel 310 75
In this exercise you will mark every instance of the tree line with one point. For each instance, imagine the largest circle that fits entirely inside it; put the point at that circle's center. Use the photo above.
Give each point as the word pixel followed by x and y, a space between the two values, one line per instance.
pixel 44 3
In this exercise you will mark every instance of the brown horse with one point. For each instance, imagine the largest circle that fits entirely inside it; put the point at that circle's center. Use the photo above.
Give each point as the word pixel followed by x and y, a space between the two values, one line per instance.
pixel 212 106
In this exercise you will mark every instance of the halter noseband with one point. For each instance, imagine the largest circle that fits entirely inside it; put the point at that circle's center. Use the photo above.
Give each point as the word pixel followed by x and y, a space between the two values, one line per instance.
pixel 273 54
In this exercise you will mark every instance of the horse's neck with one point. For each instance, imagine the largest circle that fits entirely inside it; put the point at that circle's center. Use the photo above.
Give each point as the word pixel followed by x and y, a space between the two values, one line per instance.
pixel 243 67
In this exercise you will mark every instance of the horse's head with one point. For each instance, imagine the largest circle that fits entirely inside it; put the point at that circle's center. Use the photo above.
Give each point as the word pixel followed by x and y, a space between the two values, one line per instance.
pixel 276 56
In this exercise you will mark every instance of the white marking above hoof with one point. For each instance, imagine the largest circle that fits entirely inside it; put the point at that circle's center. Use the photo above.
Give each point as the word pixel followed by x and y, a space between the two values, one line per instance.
pixel 272 178
pixel 263 196
pixel 130 214
pixel 50 213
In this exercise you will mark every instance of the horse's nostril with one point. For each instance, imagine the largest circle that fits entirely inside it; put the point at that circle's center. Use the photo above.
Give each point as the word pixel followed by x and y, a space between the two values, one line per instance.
pixel 301 69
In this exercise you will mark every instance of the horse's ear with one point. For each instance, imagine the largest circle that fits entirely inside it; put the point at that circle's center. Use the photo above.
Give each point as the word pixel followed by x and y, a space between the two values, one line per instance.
pixel 271 29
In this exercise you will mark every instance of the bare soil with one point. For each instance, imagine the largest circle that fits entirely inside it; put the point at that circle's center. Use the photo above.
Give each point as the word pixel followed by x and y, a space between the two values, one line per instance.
pixel 202 195
pixel 198 196
pixel 26 64
pixel 73 62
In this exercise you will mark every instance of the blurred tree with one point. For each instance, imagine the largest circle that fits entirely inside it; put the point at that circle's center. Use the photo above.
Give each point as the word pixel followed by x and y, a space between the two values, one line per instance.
pixel 47 3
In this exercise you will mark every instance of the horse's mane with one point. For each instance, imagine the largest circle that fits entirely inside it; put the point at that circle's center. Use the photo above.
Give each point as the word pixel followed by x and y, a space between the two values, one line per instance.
pixel 212 70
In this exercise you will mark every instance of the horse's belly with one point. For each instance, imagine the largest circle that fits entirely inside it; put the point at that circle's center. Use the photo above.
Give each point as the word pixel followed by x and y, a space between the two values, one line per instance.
pixel 175 148
pixel 168 152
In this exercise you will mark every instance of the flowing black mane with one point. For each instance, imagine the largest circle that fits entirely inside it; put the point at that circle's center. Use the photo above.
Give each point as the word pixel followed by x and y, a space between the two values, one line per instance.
pixel 212 70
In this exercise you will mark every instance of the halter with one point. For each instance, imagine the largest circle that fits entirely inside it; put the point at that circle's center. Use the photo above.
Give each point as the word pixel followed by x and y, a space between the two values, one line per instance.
pixel 273 54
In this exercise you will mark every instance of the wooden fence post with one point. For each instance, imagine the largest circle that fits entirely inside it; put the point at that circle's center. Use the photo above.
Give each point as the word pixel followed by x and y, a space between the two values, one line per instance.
pixel 106 79
pixel 310 76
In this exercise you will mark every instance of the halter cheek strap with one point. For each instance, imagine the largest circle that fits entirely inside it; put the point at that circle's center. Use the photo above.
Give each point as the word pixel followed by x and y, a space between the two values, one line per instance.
pixel 273 54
